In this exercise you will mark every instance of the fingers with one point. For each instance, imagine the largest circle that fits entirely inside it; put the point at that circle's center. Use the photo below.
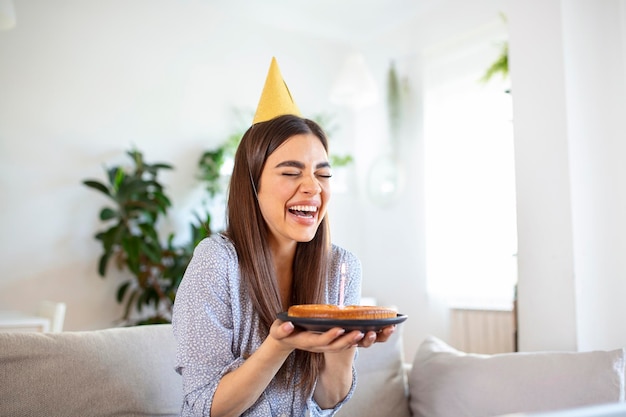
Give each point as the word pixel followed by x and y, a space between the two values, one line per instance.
pixel 386 333
pixel 281 329
pixel 333 340
pixel 368 339
pixel 377 337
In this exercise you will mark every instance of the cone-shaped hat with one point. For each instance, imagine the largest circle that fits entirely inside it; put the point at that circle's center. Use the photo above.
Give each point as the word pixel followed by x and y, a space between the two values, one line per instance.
pixel 275 99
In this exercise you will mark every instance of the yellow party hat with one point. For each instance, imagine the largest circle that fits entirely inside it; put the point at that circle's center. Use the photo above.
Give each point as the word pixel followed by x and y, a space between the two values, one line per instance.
pixel 275 99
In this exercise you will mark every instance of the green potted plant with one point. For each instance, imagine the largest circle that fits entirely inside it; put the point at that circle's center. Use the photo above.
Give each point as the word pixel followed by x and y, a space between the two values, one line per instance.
pixel 131 240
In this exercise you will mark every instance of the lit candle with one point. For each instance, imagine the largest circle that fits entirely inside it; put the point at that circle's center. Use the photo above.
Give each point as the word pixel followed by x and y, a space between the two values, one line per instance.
pixel 342 284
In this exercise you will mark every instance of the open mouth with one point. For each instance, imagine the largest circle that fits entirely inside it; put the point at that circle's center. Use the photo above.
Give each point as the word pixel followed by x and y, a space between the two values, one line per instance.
pixel 303 211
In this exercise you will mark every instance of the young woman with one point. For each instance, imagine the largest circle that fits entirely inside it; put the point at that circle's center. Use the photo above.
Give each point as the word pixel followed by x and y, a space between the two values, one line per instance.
pixel 235 357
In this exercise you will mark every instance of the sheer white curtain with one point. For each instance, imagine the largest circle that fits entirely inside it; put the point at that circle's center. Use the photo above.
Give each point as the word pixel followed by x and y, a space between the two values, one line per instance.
pixel 471 237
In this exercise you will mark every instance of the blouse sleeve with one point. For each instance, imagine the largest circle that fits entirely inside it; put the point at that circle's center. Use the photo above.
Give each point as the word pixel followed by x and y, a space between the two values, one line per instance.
pixel 203 326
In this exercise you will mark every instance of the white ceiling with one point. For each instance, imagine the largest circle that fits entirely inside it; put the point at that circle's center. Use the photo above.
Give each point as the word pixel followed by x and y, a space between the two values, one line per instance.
pixel 350 21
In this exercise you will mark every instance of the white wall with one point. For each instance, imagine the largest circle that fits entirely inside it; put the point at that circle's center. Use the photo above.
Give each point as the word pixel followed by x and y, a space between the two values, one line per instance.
pixel 568 78
pixel 545 258
pixel 596 102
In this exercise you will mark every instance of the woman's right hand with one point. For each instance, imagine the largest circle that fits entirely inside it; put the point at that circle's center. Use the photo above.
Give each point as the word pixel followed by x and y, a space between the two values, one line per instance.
pixel 333 340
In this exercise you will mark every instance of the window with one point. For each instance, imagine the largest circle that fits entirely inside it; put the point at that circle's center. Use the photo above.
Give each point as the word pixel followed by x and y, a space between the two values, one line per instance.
pixel 471 237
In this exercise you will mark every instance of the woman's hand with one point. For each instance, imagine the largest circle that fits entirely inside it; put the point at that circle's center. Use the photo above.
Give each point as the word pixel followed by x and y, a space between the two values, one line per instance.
pixel 333 340
pixel 372 337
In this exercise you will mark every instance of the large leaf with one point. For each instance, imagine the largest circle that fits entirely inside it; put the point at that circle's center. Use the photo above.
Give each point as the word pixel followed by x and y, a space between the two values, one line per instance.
pixel 131 246
pixel 98 186
pixel 111 174
pixel 108 214
pixel 130 301
pixel 154 168
pixel 118 180
pixel 121 291
pixel 102 264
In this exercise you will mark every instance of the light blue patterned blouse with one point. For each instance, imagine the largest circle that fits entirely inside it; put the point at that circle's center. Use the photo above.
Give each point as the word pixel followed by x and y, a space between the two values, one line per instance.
pixel 216 327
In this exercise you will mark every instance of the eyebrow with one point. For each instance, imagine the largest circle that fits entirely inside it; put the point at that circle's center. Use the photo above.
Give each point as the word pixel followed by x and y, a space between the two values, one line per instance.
pixel 300 165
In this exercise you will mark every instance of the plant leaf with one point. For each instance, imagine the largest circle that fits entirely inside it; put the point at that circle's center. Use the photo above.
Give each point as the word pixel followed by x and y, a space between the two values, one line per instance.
pixel 97 186
pixel 121 291
pixel 102 264
pixel 499 66
pixel 130 303
pixel 107 214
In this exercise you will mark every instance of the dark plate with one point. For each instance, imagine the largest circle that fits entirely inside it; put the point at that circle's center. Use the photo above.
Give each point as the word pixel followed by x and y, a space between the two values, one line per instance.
pixel 322 325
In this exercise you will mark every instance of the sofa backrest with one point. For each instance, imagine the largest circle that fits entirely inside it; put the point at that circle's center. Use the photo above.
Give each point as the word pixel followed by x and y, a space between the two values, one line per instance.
pixel 120 371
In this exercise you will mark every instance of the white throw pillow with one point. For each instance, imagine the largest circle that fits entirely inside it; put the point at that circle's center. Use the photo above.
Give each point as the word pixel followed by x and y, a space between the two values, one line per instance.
pixel 445 382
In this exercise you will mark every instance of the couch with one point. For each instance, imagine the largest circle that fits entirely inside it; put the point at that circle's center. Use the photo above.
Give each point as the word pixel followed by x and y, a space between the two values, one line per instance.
pixel 130 372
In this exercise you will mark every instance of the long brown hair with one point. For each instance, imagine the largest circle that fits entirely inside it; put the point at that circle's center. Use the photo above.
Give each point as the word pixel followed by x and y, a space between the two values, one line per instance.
pixel 248 231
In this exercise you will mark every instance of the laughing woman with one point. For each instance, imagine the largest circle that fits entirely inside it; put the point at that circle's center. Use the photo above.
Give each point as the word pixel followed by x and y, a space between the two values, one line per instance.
pixel 236 358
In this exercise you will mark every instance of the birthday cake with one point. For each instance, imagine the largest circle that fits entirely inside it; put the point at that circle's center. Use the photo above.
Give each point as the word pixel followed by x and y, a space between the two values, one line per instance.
pixel 351 312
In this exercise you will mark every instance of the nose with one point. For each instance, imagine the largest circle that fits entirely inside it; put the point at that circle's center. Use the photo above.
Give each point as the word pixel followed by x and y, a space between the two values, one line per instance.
pixel 310 185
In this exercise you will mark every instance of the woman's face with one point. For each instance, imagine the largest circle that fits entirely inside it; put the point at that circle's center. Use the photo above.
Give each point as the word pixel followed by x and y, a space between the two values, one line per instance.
pixel 294 189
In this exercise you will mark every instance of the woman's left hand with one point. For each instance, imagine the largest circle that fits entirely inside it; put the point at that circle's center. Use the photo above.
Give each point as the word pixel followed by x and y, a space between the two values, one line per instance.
pixel 372 337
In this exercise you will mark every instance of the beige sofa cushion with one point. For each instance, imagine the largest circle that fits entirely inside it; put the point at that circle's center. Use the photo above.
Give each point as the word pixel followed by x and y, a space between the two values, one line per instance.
pixel 445 382
pixel 120 371
pixel 381 381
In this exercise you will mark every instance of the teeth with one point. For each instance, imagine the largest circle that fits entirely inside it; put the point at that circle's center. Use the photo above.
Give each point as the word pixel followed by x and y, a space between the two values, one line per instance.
pixel 304 208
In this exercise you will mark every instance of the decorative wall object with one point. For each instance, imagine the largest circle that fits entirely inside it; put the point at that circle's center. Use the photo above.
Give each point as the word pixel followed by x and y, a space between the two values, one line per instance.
pixel 385 177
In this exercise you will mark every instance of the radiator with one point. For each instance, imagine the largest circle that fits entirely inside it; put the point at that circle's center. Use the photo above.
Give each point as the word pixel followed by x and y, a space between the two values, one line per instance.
pixel 482 331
